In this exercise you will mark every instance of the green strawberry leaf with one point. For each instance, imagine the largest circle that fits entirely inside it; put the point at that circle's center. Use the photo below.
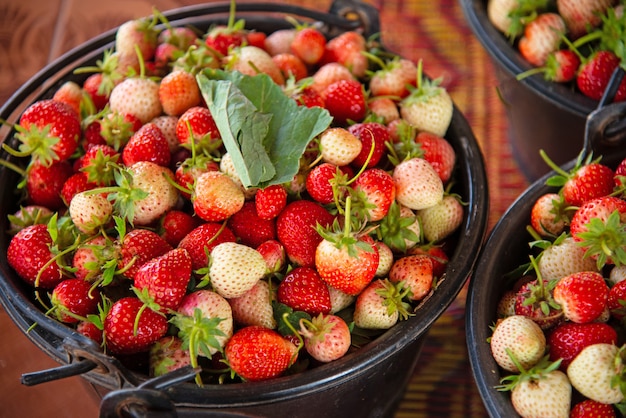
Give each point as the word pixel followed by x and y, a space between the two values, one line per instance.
pixel 264 131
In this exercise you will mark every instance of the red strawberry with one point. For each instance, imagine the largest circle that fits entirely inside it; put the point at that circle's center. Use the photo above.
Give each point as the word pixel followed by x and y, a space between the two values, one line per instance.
pixel 582 296
pixel 202 239
pixel 345 100
pixel 562 66
pixel 165 278
pixel 44 184
pixel 547 215
pixel 270 201
pixel 295 228
pixel 568 339
pixel 384 109
pixel 257 353
pixel 138 247
pixel 326 337
pixel 117 128
pixel 75 184
pixel 48 130
pixel 178 91
pixel 147 144
pixel 416 271
pixel 328 74
pixel 595 73
pixel 542 37
pixel 121 334
pixel 302 289
pixel 617 300
pixel 249 228
pixel 439 153
pixel 175 225
pixel 203 128
pixel 290 66
pixel 96 87
pixel 309 45
pixel 347 49
pixel 70 93
pixel 326 181
pixel 589 408
pixel 375 191
pixel 73 299
pixel 371 134
pixel 99 164
pixel 586 182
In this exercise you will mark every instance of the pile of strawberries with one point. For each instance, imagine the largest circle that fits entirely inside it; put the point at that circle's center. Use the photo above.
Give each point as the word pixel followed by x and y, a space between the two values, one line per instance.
pixel 141 225
pixel 559 337
pixel 576 42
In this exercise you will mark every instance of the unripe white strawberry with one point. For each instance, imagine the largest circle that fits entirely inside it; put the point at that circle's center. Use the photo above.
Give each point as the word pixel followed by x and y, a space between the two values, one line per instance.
pixel 235 269
pixel 211 306
pixel 592 370
pixel 339 300
pixel 547 395
pixel 227 166
pixel 254 307
pixel 279 42
pixel 506 304
pixel 252 60
pixel 442 219
pixel 167 125
pixel 137 33
pixel 523 337
pixel 418 185
pixel 379 306
pixel 136 96
pixel 339 147
pixel 385 259
pixel 90 212
pixel 216 196
pixel 326 337
pixel 161 194
pixel 617 274
pixel 405 212
pixel 499 11
pixel 564 258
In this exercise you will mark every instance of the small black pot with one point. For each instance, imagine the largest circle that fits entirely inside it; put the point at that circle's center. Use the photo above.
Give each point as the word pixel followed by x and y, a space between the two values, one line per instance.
pixel 507 248
pixel 541 114
pixel 369 382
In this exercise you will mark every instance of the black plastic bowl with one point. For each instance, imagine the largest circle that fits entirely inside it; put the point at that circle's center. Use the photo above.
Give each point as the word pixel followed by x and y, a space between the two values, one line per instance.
pixel 541 114
pixel 507 248
pixel 369 382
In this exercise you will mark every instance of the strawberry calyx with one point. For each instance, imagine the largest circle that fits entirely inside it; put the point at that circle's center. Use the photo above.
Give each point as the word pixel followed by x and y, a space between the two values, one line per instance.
pixel 525 12
pixel 538 371
pixel 405 147
pixel 107 66
pixel 394 298
pixel 539 294
pixel 394 229
pixel 425 88
pixel 36 142
pixel 344 237
pixel 605 240
pixel 619 378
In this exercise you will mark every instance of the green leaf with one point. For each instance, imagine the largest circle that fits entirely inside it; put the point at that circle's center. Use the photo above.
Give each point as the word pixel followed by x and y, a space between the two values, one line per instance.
pixel 263 130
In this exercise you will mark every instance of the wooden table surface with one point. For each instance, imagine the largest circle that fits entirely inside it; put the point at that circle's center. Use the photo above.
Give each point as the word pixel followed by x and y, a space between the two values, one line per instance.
pixel 35 32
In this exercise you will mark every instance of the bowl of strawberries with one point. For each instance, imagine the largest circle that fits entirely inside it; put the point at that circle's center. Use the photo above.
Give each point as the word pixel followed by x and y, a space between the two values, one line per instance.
pixel 237 209
pixel 553 60
pixel 545 310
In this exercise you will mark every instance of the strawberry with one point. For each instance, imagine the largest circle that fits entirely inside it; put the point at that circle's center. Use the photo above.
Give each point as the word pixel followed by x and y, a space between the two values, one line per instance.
pixel 561 66
pixel 274 254
pixel 76 183
pixel 308 44
pixel 399 229
pixel 339 300
pixel 117 128
pixel 582 16
pixel 371 134
pixel 548 216
pixel 582 296
pixel 393 78
pixel 255 306
pixel 28 215
pixel 235 268
pixel 216 196
pixel 541 38
pixel 165 278
pixel 249 228
pixel 328 74
pixel 175 225
pixel 305 95
pixel 380 305
pixel 338 146
pixel 90 260
pixel 99 163
pixel 291 66
pixel 568 339
pixel 590 408
pixel 205 323
pixel 428 107
pixel 30 255
pixel 325 182
pixel 251 60
pixel 90 212
pixel 167 355
pixel 439 153
pixel 326 337
pixel 137 33
pixel 91 331
pixel 345 101
pixel 256 353
pixel 222 38
pixel 347 49
pixel 562 258
pixel 595 370
pixel 437 254
pixel 279 41
pixel 344 259
pixel 416 273
pixel 270 201
pixel 303 289
pixel 73 299
pixel 541 390
pixel 202 239
pixel 418 186
pixel 70 93
pixel 295 229
pixel 147 144
pixel 595 73
pixel 139 246
pixel 167 124
pixel 385 259
pixel 442 219
pixel 130 327
pixel 384 109
pixel 48 131
pixel 617 300
pixel 520 336
pixel 376 191
pixel 203 128
pixel 95 86
pixel 178 91
pixel 137 96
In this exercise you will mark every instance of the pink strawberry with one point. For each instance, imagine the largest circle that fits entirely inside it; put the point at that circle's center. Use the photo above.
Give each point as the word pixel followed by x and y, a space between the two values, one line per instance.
pixel 347 49
pixel 309 45
pixel 541 38
pixel 167 355
pixel 582 15
pixel 326 337
pixel 416 271
pixel 418 186
pixel 137 96
pixel 274 254
pixel 291 66
pixel 216 196
pixel 393 78
pixel 251 60
pixel 255 306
